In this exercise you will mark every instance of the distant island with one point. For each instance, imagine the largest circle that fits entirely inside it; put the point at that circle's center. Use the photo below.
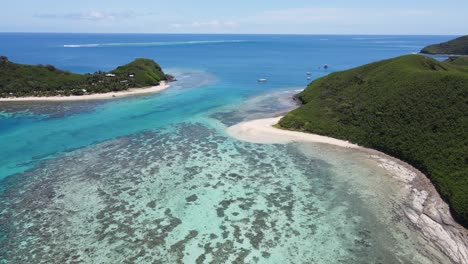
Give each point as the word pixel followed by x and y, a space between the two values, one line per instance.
pixel 411 107
pixel 458 46
pixel 20 80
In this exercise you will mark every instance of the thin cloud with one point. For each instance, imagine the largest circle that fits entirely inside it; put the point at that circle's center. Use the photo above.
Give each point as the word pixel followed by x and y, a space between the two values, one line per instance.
pixel 334 15
pixel 92 15
pixel 212 24
pixel 303 20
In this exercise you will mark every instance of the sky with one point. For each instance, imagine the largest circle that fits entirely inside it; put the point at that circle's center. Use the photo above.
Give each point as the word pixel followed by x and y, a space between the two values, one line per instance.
pixel 421 17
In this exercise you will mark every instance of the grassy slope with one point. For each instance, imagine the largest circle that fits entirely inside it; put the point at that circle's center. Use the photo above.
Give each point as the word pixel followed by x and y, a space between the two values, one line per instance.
pixel 411 107
pixel 457 46
pixel 460 61
pixel 39 80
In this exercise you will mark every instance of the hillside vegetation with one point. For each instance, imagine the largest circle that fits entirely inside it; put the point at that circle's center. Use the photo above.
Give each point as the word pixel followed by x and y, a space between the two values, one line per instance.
pixel 45 80
pixel 411 107
pixel 458 46
pixel 460 61
pixel 146 72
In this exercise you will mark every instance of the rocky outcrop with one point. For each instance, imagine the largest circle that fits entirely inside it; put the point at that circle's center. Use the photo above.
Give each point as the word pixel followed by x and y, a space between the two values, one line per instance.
pixel 427 211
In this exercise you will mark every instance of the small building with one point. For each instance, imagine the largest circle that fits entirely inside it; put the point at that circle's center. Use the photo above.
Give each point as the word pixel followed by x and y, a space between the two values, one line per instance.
pixel 124 81
pixel 110 75
pixel 131 75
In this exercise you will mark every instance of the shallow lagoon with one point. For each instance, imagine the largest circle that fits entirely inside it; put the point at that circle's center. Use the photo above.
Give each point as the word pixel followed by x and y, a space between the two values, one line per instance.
pixel 154 178
pixel 187 193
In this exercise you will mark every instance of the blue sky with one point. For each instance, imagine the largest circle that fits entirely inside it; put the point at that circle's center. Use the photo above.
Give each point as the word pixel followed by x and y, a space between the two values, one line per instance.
pixel 447 17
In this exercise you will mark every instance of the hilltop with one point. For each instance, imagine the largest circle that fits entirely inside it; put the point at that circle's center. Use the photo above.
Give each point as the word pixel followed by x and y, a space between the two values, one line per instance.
pixel 411 107
pixel 458 46
pixel 145 72
pixel 20 80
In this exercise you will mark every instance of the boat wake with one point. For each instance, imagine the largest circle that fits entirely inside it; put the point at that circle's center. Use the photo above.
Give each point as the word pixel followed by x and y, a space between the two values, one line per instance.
pixel 150 44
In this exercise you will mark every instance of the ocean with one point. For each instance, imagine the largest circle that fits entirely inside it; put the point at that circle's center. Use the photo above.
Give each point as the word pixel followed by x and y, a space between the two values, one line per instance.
pixel 154 178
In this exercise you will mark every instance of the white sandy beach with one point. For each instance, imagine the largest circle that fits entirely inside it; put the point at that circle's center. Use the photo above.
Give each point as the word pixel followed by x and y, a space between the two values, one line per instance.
pixel 425 208
pixel 262 131
pixel 99 96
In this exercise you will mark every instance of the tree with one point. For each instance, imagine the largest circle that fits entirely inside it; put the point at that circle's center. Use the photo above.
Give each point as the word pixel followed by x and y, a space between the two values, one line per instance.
pixel 3 59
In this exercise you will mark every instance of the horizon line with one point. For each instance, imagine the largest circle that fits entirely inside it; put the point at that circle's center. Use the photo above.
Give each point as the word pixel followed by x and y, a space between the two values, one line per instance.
pixel 172 33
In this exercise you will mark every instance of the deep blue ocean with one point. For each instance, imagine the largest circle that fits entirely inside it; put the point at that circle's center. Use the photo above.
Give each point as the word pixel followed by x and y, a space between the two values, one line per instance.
pixel 54 144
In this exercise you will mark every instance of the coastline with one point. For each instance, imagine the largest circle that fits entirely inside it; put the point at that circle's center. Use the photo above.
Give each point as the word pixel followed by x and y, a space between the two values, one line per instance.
pixel 97 96
pixel 441 55
pixel 424 207
pixel 262 131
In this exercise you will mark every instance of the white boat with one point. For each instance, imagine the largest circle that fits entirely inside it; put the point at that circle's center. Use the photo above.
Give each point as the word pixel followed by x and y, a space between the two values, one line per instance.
pixel 262 80
pixel 309 73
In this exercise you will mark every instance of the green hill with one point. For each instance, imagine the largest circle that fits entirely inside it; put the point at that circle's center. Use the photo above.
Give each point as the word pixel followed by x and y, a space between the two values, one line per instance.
pixel 46 80
pixel 460 61
pixel 411 107
pixel 457 46
pixel 146 72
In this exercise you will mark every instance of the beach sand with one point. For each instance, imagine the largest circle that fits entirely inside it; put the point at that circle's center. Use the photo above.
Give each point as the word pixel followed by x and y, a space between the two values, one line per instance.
pixel 424 207
pixel 262 131
pixel 98 96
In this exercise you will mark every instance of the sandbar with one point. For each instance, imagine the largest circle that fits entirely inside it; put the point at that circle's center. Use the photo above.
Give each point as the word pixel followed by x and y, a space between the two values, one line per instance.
pixel 262 131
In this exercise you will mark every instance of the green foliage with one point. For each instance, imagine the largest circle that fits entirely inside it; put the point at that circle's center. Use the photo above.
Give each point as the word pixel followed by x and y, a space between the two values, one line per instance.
pixel 457 46
pixel 146 72
pixel 46 80
pixel 411 107
pixel 460 61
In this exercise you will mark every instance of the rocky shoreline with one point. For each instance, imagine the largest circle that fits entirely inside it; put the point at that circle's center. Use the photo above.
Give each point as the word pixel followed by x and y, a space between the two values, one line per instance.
pixel 426 209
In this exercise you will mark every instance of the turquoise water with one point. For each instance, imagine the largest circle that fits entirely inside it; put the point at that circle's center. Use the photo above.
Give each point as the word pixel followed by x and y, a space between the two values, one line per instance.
pixel 154 179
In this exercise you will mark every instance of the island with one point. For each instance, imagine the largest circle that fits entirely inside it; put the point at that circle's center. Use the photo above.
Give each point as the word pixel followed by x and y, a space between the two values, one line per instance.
pixel 409 114
pixel 31 82
pixel 411 107
pixel 458 46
